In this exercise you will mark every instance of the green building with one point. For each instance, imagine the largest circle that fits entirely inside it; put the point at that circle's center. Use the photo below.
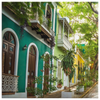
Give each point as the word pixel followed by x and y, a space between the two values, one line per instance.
pixel 62 43
pixel 21 58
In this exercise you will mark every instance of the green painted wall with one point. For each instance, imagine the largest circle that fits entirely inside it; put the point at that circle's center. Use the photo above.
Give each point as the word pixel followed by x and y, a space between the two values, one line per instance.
pixel 57 52
pixel 26 40
pixel 55 21
pixel 52 17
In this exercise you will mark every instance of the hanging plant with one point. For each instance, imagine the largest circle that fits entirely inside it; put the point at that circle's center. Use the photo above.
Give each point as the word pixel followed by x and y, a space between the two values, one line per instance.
pixel 49 23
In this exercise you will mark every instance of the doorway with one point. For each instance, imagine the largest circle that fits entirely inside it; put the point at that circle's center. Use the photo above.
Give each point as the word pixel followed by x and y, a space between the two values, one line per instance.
pixel 31 68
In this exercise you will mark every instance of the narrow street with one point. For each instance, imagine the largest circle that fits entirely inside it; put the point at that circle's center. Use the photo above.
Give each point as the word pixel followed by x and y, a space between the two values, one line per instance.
pixel 50 49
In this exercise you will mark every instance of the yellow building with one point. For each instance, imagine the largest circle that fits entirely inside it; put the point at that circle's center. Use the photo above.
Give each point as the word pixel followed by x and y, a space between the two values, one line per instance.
pixel 80 62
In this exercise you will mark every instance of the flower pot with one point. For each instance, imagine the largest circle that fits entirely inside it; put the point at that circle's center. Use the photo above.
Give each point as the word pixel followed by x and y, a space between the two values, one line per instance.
pixel 59 86
pixel 78 80
pixel 81 89
pixel 65 94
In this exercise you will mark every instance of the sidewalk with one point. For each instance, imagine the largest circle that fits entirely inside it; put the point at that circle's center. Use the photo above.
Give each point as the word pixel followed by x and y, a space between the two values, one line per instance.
pixel 57 95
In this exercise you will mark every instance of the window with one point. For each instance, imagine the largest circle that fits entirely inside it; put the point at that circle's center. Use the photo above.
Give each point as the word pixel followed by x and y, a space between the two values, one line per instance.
pixel 48 13
pixel 8 53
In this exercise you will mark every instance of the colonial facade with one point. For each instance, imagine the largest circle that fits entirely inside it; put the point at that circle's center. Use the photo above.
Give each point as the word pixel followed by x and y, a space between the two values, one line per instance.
pixel 80 61
pixel 21 58
pixel 62 43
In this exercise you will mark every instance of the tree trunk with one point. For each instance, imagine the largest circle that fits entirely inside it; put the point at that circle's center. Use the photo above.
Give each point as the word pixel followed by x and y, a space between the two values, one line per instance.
pixel 69 83
pixel 96 62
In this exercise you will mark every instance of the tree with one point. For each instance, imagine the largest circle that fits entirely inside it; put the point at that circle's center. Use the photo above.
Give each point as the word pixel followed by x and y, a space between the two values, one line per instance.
pixel 84 20
pixel 67 64
pixel 90 51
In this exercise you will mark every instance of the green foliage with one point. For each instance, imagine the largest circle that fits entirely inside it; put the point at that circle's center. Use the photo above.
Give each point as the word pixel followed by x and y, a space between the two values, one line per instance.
pixel 60 81
pixel 67 63
pixel 49 24
pixel 86 79
pixel 83 20
pixel 48 79
pixel 26 11
pixel 90 51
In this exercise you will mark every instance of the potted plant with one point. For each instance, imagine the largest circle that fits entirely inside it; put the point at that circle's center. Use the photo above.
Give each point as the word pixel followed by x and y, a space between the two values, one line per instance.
pixel 67 61
pixel 80 87
pixel 81 77
pixel 59 83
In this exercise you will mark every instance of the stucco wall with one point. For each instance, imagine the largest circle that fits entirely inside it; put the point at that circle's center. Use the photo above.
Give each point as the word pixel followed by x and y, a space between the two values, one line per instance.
pixel 22 58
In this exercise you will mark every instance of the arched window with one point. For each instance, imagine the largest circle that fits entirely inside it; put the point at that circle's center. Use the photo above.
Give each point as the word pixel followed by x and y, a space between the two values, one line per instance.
pixel 48 13
pixel 8 53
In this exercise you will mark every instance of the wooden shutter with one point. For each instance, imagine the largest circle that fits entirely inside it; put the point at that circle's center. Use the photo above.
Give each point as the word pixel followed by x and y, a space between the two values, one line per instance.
pixel 59 70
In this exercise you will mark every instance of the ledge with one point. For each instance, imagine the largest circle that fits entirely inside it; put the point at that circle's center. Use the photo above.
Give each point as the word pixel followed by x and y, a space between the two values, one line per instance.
pixel 11 93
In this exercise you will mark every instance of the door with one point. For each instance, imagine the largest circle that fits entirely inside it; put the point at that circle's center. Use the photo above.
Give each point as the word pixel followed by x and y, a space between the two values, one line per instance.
pixel 31 68
pixel 46 73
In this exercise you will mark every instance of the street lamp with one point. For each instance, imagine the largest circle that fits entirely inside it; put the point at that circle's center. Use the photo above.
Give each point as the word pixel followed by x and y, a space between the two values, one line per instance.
pixel 95 6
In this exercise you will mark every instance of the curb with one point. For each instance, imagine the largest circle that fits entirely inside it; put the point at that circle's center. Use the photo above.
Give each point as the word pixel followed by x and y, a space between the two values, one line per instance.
pixel 80 98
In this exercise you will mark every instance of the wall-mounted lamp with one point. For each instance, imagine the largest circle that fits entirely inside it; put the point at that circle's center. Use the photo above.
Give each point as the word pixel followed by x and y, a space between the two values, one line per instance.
pixel 25 47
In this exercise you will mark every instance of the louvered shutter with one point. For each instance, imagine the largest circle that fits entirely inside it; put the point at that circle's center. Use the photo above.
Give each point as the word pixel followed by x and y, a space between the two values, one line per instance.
pixel 59 70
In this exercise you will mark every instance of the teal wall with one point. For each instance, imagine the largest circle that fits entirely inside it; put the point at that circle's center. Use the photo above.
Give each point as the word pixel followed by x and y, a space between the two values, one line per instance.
pixel 56 21
pixel 52 17
pixel 26 40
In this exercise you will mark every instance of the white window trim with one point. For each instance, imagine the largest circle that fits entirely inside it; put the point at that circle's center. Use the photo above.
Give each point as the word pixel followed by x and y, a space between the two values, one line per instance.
pixel 17 47
pixel 54 19
pixel 27 61
pixel 43 68
pixel 46 11
pixel 57 72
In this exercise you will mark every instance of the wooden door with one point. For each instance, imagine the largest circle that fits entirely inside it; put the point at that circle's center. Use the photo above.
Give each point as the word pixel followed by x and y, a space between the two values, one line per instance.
pixel 46 72
pixel 31 69
pixel 8 53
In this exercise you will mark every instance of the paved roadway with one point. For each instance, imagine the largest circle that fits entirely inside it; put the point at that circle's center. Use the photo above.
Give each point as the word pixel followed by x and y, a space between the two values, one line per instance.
pixel 93 93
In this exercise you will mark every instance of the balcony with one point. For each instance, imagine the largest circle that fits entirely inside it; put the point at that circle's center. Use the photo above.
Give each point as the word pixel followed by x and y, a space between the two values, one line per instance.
pixel 64 43
pixel 45 32
pixel 64 29
pixel 9 83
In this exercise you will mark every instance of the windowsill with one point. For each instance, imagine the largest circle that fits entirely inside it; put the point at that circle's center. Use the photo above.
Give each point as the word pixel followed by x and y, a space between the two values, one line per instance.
pixel 8 93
